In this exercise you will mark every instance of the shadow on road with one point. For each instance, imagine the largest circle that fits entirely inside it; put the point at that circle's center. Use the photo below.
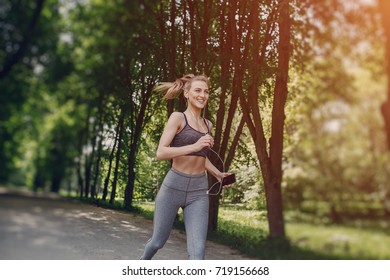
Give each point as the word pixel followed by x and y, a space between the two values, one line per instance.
pixel 46 226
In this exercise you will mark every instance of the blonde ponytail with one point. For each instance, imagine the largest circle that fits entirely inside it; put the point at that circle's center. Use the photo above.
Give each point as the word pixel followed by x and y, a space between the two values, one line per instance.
pixel 173 89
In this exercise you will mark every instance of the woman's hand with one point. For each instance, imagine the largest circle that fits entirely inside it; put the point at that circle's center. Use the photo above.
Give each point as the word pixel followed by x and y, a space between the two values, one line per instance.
pixel 222 175
pixel 204 142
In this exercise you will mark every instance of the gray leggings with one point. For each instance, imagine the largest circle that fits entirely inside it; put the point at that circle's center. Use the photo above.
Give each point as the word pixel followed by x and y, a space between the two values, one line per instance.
pixel 190 193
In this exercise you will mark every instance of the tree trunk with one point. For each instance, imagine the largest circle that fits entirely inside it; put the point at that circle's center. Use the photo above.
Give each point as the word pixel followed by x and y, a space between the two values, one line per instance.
pixel 94 191
pixel 87 171
pixel 230 41
pixel 80 180
pixel 274 185
pixel 270 163
pixel 98 138
pixel 135 131
pixel 111 158
pixel 135 139
pixel 129 191
pixel 384 6
pixel 117 158
pixel 89 162
pixel 193 47
pixel 163 34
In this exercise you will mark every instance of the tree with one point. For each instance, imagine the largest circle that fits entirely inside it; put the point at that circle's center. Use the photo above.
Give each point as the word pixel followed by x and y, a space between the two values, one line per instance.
pixel 335 149
pixel 385 108
pixel 28 38
pixel 230 41
pixel 271 161
pixel 20 47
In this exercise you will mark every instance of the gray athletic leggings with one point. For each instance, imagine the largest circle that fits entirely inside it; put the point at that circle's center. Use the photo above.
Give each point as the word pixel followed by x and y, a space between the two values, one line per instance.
pixel 190 193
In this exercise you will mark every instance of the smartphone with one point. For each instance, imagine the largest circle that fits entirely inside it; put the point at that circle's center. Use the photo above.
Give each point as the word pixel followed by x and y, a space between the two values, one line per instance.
pixel 230 179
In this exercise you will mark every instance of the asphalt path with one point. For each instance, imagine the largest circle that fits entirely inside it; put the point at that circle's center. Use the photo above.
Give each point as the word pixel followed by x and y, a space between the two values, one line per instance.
pixel 48 227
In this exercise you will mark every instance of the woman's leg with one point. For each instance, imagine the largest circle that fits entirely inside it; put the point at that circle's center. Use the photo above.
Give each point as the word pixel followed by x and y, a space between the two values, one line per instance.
pixel 196 223
pixel 166 206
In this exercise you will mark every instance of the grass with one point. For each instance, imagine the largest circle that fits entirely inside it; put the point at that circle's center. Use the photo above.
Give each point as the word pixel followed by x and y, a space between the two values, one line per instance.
pixel 340 242
pixel 246 230
pixel 309 236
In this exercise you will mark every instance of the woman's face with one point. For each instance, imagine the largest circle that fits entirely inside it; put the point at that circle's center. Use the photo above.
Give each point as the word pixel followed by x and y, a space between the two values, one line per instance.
pixel 198 94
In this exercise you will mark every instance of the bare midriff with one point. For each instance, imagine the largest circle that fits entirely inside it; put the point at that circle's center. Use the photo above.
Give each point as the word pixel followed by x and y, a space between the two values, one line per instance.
pixel 189 164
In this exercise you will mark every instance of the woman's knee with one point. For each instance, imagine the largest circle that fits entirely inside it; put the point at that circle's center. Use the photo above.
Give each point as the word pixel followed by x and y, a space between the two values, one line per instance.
pixel 156 244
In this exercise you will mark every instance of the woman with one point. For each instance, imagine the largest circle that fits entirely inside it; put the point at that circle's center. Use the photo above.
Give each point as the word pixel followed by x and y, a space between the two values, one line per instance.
pixel 185 140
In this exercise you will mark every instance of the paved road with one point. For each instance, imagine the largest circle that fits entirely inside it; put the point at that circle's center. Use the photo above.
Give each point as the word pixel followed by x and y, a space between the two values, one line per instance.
pixel 46 227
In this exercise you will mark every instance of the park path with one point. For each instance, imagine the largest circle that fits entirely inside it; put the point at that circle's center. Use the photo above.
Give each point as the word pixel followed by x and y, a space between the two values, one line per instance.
pixel 40 227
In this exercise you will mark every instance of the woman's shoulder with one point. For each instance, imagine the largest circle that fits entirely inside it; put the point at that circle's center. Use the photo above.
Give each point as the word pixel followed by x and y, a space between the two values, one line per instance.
pixel 177 114
pixel 176 117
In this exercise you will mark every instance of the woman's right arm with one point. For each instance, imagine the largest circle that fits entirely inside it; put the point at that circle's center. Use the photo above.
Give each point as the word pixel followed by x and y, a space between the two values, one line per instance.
pixel 164 151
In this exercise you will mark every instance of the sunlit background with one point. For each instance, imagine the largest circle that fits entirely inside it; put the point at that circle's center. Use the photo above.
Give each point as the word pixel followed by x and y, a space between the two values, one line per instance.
pixel 78 116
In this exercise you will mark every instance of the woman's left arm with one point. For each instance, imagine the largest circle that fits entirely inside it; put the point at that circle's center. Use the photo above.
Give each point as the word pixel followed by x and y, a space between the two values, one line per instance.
pixel 210 167
pixel 214 171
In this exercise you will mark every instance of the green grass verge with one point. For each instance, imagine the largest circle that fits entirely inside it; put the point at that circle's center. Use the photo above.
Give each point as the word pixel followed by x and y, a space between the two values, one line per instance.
pixel 247 231
pixel 309 236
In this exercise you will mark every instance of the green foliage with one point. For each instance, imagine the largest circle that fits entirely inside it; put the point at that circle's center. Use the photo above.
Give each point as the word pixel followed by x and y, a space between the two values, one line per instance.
pixel 335 144
pixel 246 231
pixel 150 171
pixel 87 62
pixel 335 155
pixel 27 48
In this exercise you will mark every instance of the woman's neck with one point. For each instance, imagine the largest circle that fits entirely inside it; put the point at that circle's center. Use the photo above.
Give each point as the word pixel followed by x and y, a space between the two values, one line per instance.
pixel 194 112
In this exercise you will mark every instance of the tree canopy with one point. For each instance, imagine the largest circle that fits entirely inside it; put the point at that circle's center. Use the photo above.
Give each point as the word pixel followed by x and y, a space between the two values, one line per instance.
pixel 297 88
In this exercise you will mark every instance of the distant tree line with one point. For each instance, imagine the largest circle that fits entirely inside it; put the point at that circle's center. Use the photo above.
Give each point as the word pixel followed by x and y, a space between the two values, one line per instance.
pixel 78 111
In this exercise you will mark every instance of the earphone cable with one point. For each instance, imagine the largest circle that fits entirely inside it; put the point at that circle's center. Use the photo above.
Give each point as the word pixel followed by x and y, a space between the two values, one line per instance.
pixel 219 182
